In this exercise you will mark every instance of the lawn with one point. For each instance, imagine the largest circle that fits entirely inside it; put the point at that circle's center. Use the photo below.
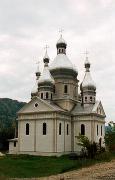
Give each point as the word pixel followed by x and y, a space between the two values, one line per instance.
pixel 26 166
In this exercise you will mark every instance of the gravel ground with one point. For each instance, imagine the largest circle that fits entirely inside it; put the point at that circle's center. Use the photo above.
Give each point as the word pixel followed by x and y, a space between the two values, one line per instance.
pixel 102 171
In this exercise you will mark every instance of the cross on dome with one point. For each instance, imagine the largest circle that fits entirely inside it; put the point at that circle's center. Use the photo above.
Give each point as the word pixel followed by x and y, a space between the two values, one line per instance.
pixel 87 63
pixel 46 47
pixel 61 42
pixel 46 57
pixel 86 53
pixel 61 31
pixel 38 62
pixel 38 69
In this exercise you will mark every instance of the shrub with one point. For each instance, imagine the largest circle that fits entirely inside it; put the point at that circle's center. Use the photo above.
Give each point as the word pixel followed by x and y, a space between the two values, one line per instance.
pixel 110 139
pixel 89 148
pixel 73 156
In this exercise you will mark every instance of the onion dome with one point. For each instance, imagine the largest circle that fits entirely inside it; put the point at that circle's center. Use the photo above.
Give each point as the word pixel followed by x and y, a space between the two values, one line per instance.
pixel 62 62
pixel 87 81
pixel 46 58
pixel 35 89
pixel 37 72
pixel 61 42
pixel 46 76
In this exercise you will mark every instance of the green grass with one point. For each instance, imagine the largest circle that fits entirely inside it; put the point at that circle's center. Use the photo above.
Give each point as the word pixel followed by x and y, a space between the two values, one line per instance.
pixel 25 166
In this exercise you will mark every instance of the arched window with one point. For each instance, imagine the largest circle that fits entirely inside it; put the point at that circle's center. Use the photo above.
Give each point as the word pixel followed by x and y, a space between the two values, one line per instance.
pixel 36 105
pixel 54 89
pixel 51 96
pixel 101 130
pixel 41 95
pixel 82 129
pixel 85 99
pixel 47 95
pixel 97 130
pixel 27 129
pixel 65 88
pixel 44 128
pixel 90 98
pixel 14 143
pixel 67 129
pixel 63 50
pixel 59 128
pixel 97 110
pixel 100 142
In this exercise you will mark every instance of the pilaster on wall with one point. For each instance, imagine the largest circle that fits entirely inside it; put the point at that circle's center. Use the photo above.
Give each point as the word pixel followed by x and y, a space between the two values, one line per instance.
pixel 72 136
pixel 55 133
pixel 35 136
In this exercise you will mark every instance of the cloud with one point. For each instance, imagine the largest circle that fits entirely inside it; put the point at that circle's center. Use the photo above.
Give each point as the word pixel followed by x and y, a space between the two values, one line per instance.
pixel 27 26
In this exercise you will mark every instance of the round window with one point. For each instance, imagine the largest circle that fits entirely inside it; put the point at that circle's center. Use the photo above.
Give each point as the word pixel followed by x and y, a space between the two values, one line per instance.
pixel 36 105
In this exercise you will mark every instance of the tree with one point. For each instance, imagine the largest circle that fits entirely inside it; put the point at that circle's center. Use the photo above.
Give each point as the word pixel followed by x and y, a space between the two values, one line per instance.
pixel 110 138
pixel 8 124
pixel 89 148
pixel 5 134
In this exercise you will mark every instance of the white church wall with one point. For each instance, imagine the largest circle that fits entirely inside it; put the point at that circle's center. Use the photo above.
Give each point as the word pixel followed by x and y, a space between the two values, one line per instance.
pixel 13 149
pixel 60 138
pixel 44 143
pixel 77 130
pixel 99 135
pixel 26 141
pixel 68 136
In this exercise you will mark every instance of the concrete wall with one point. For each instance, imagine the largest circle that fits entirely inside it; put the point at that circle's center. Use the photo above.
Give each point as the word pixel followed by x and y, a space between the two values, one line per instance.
pixel 12 148
pixel 97 137
pixel 60 138
pixel 72 88
pixel 66 100
pixel 65 104
pixel 26 142
pixel 64 140
pixel 77 130
pixel 36 141
pixel 90 130
pixel 52 142
pixel 44 143
pixel 68 137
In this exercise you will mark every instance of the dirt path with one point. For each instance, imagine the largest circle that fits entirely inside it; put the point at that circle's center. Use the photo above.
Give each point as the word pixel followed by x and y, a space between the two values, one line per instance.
pixel 102 171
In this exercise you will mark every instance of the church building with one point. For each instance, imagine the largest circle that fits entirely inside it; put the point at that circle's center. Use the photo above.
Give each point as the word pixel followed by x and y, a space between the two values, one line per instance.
pixel 49 123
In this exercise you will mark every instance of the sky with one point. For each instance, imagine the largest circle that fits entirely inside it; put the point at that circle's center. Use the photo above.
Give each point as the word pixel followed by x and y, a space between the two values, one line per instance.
pixel 26 26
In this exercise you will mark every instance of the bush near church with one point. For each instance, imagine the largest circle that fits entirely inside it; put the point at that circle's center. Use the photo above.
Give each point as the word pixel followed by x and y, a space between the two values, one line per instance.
pixel 110 138
pixel 89 148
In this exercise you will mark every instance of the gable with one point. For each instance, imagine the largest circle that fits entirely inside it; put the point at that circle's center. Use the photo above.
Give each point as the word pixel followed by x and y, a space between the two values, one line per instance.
pixel 36 105
pixel 98 108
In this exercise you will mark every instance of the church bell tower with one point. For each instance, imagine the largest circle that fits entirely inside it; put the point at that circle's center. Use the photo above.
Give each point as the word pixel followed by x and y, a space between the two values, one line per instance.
pixel 65 76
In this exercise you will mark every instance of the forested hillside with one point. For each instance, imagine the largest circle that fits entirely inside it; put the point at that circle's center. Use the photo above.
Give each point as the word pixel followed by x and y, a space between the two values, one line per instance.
pixel 8 110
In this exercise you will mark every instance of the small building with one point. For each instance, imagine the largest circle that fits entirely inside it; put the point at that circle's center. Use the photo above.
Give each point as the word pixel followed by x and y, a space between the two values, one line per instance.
pixel 49 123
